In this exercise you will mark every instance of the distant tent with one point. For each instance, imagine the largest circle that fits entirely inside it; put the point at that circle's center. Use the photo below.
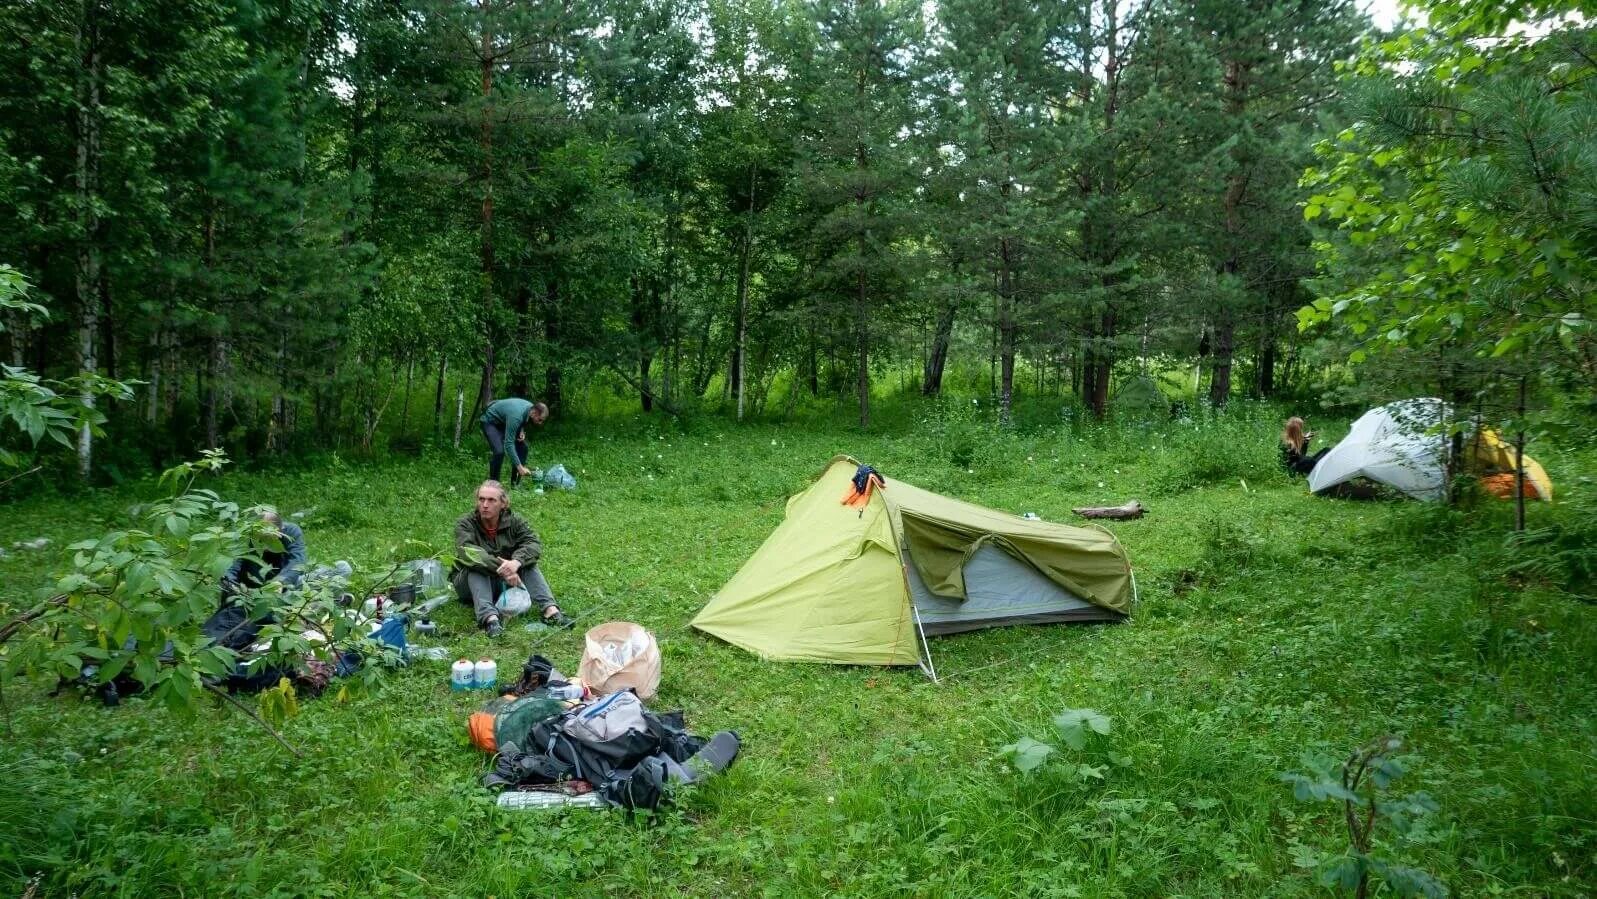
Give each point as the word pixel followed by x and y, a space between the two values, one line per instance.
pixel 1402 445
pixel 1139 396
pixel 1492 459
pixel 1398 444
pixel 865 584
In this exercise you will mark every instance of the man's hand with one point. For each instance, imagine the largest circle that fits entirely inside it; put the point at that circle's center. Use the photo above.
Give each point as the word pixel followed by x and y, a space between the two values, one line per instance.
pixel 513 580
pixel 507 570
pixel 523 470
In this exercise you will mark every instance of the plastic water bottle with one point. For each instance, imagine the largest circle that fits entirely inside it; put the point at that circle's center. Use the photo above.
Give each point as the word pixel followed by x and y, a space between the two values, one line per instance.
pixel 567 692
pixel 462 675
pixel 485 674
pixel 525 799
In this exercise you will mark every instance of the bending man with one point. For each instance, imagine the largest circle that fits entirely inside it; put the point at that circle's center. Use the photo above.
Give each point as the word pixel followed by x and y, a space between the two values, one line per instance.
pixel 494 548
pixel 505 421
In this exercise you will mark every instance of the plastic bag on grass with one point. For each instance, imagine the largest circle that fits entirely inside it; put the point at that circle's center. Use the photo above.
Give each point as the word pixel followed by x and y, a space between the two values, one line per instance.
pixel 558 478
pixel 617 655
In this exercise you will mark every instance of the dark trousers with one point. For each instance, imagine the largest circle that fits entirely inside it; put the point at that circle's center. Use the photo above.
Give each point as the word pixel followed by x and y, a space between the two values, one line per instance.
pixel 495 434
pixel 1305 464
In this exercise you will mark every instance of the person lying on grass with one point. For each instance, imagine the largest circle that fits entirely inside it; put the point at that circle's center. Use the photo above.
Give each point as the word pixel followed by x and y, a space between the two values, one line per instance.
pixel 495 548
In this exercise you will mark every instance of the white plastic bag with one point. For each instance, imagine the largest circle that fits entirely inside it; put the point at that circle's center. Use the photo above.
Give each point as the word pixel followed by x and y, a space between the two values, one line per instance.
pixel 557 478
pixel 617 655
pixel 514 601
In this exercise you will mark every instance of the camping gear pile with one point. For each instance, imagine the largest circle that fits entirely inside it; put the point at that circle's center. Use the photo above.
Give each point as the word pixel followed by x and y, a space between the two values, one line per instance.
pixel 1404 446
pixel 864 581
pixel 611 746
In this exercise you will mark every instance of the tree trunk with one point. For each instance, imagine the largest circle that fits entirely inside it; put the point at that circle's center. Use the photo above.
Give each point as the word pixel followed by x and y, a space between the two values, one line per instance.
pixel 151 412
pixel 487 60
pixel 460 409
pixel 738 371
pixel 438 394
pixel 1225 333
pixel 937 359
pixel 640 329
pixel 1006 328
pixel 1103 364
pixel 551 335
pixel 1235 81
pixel 404 410
pixel 1267 358
pixel 279 419
pixel 215 362
pixel 88 175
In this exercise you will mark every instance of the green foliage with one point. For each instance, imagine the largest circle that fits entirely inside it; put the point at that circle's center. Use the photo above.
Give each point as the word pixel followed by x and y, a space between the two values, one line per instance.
pixel 1462 194
pixel 1361 785
pixel 40 408
pixel 132 601
pixel 1075 727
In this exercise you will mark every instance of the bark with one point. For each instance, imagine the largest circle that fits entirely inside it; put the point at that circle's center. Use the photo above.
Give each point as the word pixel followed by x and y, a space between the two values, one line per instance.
pixel 738 371
pixel 1235 81
pixel 1267 361
pixel 460 408
pixel 1225 332
pixel 1103 363
pixel 88 175
pixel 152 410
pixel 215 362
pixel 487 60
pixel 551 334
pixel 937 359
pixel 1125 512
pixel 438 394
pixel 1006 326
pixel 404 409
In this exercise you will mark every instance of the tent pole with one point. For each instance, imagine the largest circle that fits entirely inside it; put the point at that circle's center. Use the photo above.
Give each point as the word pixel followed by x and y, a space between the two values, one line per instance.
pixel 1135 599
pixel 927 666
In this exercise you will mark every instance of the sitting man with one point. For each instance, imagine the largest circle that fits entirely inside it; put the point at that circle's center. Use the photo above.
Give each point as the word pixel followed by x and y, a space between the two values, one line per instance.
pixel 281 560
pixel 494 548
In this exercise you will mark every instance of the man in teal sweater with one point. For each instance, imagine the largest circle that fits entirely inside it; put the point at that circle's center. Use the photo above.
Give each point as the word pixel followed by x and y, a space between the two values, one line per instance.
pixel 505 422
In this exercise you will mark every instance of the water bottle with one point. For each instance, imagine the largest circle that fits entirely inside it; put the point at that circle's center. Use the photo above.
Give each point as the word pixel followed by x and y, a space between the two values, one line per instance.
pixel 462 675
pixel 525 799
pixel 567 692
pixel 485 674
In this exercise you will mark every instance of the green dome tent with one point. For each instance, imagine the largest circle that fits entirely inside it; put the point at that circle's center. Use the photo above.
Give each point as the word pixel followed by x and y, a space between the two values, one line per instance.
pixel 865 584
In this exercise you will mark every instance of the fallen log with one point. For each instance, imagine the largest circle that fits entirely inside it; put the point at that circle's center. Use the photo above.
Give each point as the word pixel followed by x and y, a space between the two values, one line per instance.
pixel 1130 510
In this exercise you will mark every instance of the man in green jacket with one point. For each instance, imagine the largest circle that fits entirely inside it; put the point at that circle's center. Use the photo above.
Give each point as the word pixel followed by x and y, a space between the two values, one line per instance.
pixel 505 422
pixel 495 548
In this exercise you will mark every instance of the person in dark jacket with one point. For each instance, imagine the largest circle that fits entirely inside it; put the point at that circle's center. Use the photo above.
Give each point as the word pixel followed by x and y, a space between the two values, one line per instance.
pixel 505 421
pixel 494 548
pixel 1295 456
pixel 282 560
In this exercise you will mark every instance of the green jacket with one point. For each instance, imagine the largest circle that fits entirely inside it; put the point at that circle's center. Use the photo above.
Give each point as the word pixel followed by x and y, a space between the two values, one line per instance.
pixel 510 413
pixel 474 551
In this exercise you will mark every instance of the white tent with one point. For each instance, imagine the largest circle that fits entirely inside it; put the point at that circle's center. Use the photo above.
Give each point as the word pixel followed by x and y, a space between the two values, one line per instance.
pixel 1398 444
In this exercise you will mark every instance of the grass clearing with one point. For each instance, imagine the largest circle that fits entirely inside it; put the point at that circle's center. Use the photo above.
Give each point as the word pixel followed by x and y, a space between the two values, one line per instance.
pixel 1272 623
